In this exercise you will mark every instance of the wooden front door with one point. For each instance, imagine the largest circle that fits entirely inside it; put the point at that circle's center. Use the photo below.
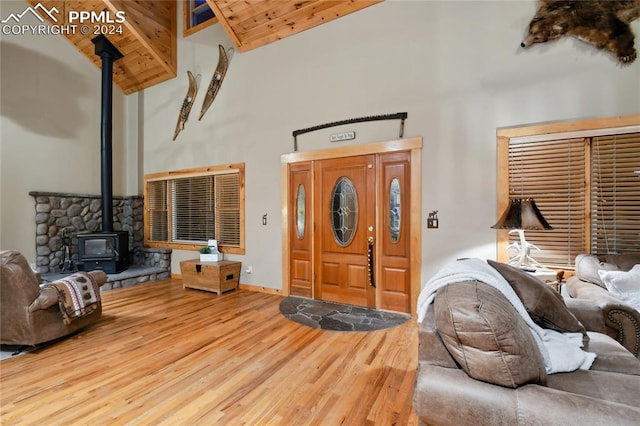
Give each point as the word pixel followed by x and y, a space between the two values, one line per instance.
pixel 345 227
pixel 393 242
pixel 353 214
pixel 300 248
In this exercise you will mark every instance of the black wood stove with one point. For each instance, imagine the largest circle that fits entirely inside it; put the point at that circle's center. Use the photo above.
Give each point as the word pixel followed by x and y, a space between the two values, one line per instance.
pixel 108 251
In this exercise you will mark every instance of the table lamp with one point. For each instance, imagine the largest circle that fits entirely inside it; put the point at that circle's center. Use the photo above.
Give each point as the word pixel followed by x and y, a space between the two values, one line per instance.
pixel 523 214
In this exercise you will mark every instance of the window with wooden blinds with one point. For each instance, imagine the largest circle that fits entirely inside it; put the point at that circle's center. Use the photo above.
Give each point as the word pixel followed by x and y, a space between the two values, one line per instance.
pixel 186 208
pixel 553 173
pixel 583 177
pixel 615 194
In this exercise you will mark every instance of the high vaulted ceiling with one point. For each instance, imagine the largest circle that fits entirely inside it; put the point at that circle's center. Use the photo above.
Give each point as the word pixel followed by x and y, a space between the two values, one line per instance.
pixel 148 38
pixel 252 24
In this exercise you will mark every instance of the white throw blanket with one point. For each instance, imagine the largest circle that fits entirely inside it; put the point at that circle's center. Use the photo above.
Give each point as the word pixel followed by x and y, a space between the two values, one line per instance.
pixel 561 351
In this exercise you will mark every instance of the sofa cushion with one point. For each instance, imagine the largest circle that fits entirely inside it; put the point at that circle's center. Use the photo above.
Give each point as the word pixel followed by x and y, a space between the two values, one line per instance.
pixel 484 333
pixel 621 389
pixel 545 305
pixel 611 356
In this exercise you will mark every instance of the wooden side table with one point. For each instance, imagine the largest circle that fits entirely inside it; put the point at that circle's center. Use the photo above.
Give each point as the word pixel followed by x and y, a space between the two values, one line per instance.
pixel 217 277
pixel 549 276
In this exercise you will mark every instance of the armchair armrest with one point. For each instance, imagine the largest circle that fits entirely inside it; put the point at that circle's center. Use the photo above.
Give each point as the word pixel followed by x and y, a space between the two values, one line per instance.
pixel 627 322
pixel 579 289
pixel 588 313
pixel 49 296
pixel 615 319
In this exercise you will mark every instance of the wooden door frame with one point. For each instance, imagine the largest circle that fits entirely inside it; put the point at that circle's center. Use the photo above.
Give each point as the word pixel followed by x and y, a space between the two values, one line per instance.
pixel 414 146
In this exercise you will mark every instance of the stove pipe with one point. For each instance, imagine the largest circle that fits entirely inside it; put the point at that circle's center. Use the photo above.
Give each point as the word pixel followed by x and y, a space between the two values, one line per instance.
pixel 108 53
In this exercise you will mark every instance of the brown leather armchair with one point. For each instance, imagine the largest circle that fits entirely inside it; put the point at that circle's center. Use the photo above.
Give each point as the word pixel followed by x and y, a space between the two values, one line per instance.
pixel 608 313
pixel 478 364
pixel 29 314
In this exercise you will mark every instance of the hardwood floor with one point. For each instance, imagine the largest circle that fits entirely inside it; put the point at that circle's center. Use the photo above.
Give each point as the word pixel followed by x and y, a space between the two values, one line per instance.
pixel 164 355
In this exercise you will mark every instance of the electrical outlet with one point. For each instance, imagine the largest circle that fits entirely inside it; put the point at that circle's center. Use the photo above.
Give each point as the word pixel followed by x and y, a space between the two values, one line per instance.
pixel 249 270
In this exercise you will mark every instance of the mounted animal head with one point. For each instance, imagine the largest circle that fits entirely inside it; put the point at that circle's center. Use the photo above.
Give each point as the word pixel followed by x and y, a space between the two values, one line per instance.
pixel 601 23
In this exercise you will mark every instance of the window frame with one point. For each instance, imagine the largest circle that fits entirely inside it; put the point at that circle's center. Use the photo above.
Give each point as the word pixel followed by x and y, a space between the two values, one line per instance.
pixel 235 168
pixel 188 10
pixel 552 172
pixel 588 128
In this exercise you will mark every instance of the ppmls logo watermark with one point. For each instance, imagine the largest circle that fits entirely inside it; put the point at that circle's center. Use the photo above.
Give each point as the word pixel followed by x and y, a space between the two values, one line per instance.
pixel 71 22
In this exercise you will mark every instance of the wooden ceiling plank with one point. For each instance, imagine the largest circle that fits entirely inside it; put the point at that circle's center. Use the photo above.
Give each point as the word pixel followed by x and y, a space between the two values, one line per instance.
pixel 226 24
pixel 254 24
pixel 299 21
pixel 142 78
pixel 146 29
pixel 273 15
pixel 148 42
pixel 234 7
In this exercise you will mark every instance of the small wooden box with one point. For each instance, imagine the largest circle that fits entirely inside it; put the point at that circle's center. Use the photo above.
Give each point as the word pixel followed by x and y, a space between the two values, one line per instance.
pixel 217 277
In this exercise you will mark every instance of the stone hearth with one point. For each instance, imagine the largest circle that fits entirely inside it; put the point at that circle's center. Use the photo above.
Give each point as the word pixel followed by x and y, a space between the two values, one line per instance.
pixel 60 215
pixel 133 275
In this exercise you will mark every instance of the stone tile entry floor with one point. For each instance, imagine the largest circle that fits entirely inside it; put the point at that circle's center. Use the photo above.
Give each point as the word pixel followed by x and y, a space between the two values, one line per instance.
pixel 339 317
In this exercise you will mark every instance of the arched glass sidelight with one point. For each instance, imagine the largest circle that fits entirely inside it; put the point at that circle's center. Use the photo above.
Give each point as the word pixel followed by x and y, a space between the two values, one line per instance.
pixel 394 210
pixel 300 211
pixel 344 211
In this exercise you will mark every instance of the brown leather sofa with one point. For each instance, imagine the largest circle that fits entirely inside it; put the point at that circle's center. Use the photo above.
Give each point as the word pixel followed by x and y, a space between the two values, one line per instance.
pixel 609 314
pixel 29 314
pixel 478 364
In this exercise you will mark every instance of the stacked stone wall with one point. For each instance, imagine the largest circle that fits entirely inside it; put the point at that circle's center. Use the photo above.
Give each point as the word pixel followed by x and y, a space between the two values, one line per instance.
pixel 61 217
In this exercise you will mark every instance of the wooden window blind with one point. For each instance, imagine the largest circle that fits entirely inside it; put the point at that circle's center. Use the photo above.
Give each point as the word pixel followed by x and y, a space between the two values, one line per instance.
pixel 193 209
pixel 157 205
pixel 185 209
pixel 615 194
pixel 227 201
pixel 553 173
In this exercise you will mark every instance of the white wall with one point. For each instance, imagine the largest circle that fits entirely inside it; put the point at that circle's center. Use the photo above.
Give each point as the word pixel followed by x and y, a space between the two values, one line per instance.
pixel 50 129
pixel 455 67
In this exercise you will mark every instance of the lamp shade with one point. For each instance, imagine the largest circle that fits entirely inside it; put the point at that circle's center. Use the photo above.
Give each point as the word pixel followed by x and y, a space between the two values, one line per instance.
pixel 522 214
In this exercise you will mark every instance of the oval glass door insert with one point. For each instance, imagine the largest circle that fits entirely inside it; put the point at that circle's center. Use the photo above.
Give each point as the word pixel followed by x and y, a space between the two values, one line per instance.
pixel 300 211
pixel 344 211
pixel 394 210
